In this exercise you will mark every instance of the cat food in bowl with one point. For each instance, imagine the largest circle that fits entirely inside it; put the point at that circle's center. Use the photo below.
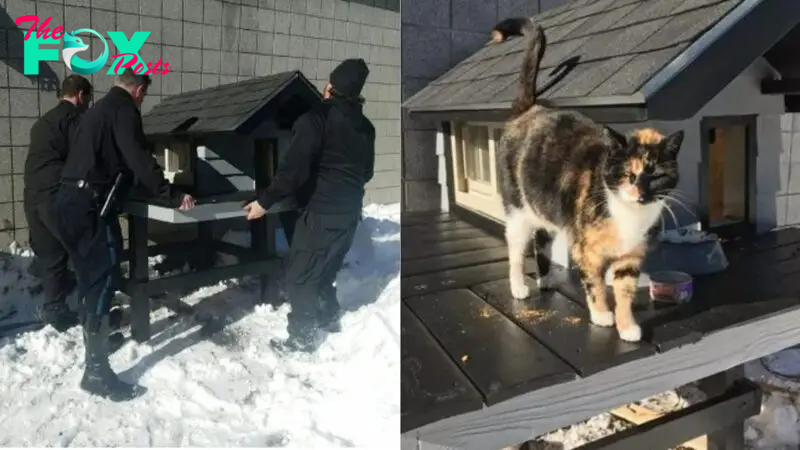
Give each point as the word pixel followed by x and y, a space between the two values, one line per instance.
pixel 670 287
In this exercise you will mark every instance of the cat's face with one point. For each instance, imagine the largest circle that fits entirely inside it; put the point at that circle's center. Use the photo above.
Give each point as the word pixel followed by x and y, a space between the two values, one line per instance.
pixel 644 166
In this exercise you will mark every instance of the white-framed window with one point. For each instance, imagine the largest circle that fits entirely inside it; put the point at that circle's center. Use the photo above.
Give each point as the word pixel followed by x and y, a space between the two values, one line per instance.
pixel 176 160
pixel 474 156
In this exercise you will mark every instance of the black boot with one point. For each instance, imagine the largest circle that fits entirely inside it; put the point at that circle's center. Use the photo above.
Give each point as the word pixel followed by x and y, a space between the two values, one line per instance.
pixel 295 343
pixel 303 337
pixel 98 377
pixel 330 319
pixel 58 315
pixel 115 319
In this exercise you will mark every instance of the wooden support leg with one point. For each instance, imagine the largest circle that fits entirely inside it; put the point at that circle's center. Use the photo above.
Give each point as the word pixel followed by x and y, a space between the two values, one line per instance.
pixel 207 253
pixel 262 237
pixel 732 436
pixel 742 399
pixel 139 275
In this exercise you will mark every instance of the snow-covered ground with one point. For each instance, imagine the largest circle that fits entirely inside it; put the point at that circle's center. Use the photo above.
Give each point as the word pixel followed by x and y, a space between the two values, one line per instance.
pixel 225 390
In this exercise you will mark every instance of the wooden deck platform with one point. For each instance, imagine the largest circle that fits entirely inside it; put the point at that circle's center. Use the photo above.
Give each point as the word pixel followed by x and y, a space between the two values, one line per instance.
pixel 472 356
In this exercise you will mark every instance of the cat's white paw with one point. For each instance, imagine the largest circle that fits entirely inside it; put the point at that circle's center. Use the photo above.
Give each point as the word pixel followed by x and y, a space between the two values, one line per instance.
pixel 631 334
pixel 602 318
pixel 520 290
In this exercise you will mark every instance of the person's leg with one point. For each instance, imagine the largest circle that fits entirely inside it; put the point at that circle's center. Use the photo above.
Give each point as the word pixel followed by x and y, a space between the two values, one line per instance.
pixel 52 260
pixel 288 221
pixel 318 249
pixel 303 272
pixel 340 242
pixel 93 249
pixel 102 277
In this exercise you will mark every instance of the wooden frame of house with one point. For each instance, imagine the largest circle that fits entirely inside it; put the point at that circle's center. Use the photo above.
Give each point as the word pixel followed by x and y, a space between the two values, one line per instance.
pixel 222 145
pixel 481 370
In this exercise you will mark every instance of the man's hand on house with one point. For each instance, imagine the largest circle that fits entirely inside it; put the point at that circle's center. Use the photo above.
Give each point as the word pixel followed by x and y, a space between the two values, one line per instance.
pixel 187 202
pixel 254 210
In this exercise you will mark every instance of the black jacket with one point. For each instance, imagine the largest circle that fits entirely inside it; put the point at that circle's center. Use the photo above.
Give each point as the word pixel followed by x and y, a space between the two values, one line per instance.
pixel 330 159
pixel 110 140
pixel 49 146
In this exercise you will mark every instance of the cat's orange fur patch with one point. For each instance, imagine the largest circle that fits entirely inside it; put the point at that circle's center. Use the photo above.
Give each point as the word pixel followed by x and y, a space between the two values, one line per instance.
pixel 635 165
pixel 648 136
pixel 584 182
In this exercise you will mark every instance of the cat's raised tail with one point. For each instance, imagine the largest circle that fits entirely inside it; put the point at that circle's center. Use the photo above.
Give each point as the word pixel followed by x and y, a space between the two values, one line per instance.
pixel 515 26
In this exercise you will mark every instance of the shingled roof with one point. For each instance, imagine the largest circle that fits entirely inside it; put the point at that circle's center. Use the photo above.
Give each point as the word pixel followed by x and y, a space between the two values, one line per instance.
pixel 232 107
pixel 637 59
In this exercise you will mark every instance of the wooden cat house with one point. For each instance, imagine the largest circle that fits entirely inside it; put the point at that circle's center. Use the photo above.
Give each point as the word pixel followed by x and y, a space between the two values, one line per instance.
pixel 222 144
pixel 635 65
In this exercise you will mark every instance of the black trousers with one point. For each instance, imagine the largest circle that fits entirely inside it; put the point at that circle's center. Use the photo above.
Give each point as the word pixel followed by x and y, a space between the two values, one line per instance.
pixel 94 245
pixel 52 259
pixel 288 221
pixel 319 244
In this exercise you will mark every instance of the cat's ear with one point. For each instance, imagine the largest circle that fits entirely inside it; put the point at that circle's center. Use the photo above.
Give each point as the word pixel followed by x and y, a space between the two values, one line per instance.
pixel 672 144
pixel 616 136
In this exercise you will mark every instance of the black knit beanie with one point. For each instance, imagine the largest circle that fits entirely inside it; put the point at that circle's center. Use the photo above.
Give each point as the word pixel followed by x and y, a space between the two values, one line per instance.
pixel 348 78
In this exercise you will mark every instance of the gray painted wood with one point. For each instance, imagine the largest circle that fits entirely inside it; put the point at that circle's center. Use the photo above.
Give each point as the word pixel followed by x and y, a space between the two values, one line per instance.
pixel 409 441
pixel 200 213
pixel 522 418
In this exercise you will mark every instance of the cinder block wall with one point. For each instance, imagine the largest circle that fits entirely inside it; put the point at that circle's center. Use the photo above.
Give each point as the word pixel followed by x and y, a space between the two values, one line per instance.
pixel 206 42
pixel 436 36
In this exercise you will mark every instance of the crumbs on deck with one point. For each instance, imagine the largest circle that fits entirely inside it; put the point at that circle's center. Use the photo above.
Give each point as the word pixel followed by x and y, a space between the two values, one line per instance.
pixel 533 315
pixel 572 320
pixel 542 315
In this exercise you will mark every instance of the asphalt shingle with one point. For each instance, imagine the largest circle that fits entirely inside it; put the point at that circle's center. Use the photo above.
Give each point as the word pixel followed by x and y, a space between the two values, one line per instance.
pixel 221 108
pixel 620 45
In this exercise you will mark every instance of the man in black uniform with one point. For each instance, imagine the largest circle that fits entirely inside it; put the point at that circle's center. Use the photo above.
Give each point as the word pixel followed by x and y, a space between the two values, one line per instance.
pixel 108 142
pixel 49 145
pixel 329 160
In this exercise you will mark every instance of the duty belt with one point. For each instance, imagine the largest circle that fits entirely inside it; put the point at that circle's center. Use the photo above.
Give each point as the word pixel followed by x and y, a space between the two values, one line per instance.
pixel 83 185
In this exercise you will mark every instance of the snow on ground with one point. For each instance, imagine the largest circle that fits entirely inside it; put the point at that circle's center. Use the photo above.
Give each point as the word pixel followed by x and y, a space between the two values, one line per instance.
pixel 229 389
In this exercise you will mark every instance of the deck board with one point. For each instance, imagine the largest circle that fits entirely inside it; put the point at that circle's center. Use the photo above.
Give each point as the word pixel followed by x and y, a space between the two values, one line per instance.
pixel 500 358
pixel 422 218
pixel 765 242
pixel 416 249
pixel 415 235
pixel 459 292
pixel 564 326
pixel 464 277
pixel 648 314
pixel 434 226
pixel 751 289
pixel 432 386
pixel 454 261
pixel 761 280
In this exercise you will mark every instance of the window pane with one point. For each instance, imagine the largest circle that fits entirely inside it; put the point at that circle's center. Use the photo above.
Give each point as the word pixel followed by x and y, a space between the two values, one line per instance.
pixel 469 153
pixel 486 168
pixel 497 135
pixel 477 145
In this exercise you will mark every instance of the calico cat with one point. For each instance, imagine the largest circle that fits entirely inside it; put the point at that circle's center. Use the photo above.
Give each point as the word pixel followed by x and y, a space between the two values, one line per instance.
pixel 563 173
